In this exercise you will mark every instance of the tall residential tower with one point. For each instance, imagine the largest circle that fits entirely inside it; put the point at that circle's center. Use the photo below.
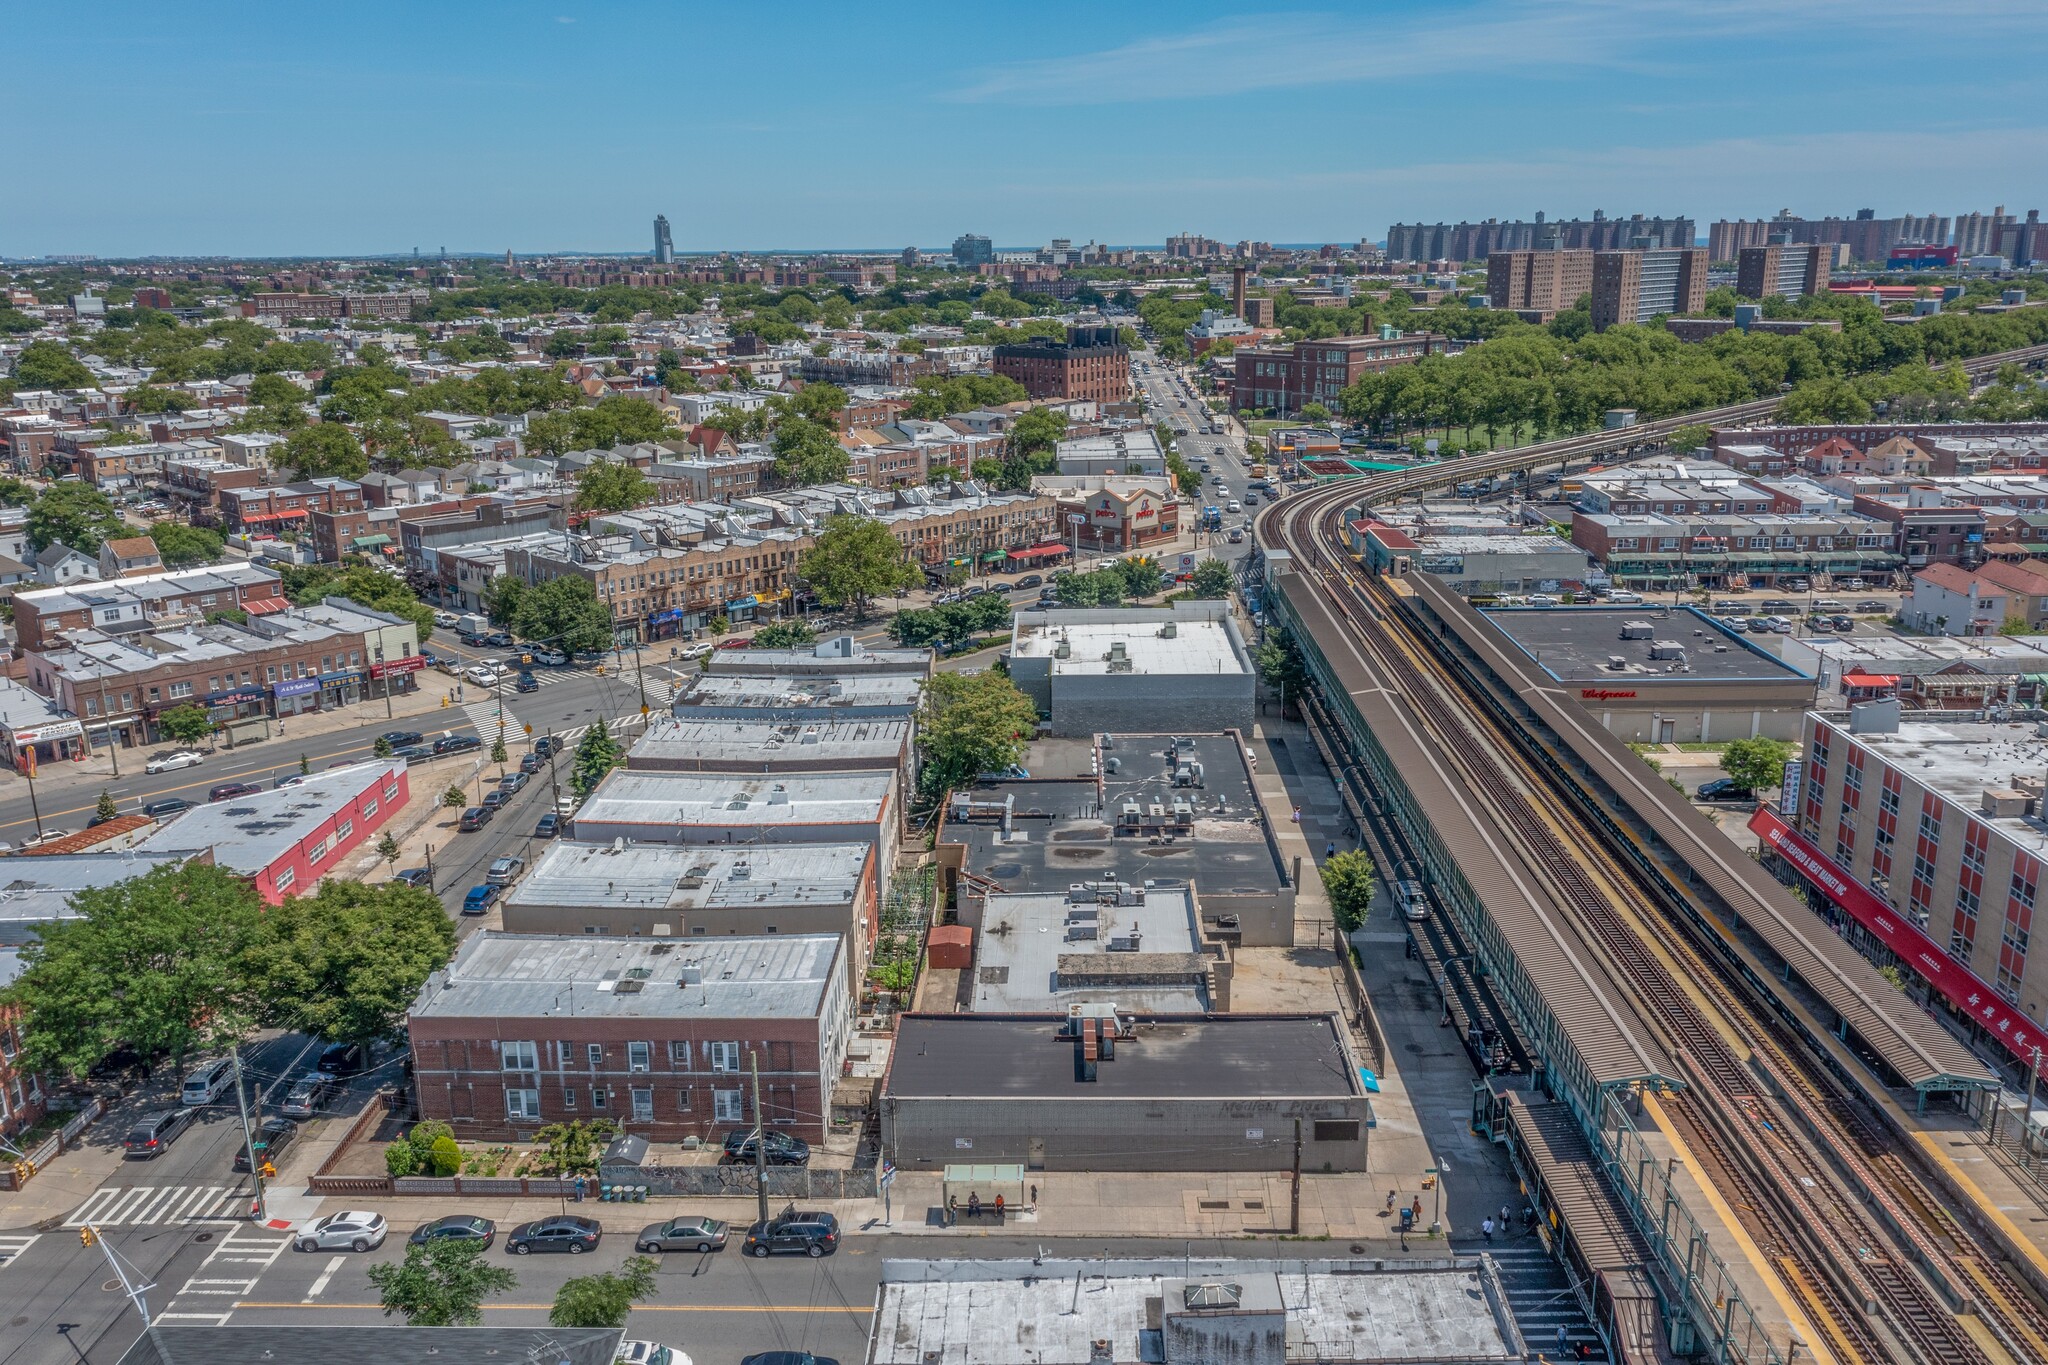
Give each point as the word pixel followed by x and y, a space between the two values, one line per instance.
pixel 664 247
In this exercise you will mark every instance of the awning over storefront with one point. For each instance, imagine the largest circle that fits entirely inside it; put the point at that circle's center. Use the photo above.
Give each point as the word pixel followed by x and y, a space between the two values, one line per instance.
pixel 370 542
pixel 411 663
pixel 289 514
pixel 1038 552
pixel 263 606
pixel 995 556
pixel 1957 984
pixel 1854 679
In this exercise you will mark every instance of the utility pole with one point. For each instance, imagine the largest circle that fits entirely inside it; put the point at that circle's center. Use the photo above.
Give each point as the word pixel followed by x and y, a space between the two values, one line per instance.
pixel 1294 1196
pixel 28 758
pixel 249 1136
pixel 92 1236
pixel 640 676
pixel 113 744
pixel 387 682
pixel 760 1141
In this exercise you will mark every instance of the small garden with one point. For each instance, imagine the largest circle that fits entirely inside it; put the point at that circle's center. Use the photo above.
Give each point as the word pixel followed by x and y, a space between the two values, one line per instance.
pixel 559 1149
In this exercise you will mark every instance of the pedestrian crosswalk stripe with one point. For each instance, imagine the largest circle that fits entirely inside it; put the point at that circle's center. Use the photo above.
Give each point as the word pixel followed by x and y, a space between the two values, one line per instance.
pixel 139 1205
pixel 13 1245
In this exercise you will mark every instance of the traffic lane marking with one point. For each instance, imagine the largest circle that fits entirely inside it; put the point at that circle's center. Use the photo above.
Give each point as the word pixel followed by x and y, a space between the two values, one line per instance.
pixel 320 1285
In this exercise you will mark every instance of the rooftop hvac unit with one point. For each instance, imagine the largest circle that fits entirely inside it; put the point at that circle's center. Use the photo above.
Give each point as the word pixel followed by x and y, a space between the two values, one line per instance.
pixel 1666 649
pixel 1616 662
pixel 1170 630
pixel 1638 630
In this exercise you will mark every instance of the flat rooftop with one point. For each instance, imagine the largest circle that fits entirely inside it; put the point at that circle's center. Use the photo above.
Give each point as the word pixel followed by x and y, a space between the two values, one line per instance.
pixel 1036 952
pixel 1102 641
pixel 522 976
pixel 1061 832
pixel 38 890
pixel 1022 1057
pixel 966 1312
pixel 1575 644
pixel 670 799
pixel 672 877
pixel 822 742
pixel 795 697
pixel 1961 760
pixel 249 833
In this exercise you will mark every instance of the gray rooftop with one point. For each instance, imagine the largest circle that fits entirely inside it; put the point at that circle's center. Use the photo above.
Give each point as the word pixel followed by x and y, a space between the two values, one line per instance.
pixel 1060 833
pixel 150 587
pixel 670 799
pixel 518 976
pixel 1576 644
pixel 963 1312
pixel 38 890
pixel 668 876
pixel 372 1344
pixel 1224 1056
pixel 1136 944
pixel 249 833
pixel 794 697
pixel 764 746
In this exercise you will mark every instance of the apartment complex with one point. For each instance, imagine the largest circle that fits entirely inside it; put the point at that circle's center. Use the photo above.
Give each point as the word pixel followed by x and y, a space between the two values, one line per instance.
pixel 1625 286
pixel 1284 379
pixel 127 605
pixel 285 307
pixel 1538 281
pixel 1091 363
pixel 1868 237
pixel 1781 268
pixel 1476 241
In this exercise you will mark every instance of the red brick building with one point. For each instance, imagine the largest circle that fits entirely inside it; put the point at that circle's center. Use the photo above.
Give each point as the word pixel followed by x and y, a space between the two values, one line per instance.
pixel 1091 363
pixel 287 506
pixel 1284 379
pixel 523 1030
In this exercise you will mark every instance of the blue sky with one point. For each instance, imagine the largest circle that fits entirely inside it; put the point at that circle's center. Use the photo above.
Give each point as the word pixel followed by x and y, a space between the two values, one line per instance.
pixel 370 126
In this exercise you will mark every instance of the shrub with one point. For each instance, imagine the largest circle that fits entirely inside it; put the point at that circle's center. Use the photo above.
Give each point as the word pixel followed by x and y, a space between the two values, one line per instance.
pixel 444 1158
pixel 400 1160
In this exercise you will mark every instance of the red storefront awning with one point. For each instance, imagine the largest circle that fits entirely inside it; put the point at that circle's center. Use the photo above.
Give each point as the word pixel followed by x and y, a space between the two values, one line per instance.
pixel 1870 680
pixel 262 606
pixel 1040 552
pixel 1957 984
pixel 289 514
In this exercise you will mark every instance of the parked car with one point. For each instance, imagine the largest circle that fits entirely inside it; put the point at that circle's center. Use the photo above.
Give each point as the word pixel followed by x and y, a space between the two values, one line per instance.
pixel 456 1227
pixel 683 1234
pixel 446 619
pixel 1724 789
pixel 308 1096
pixel 353 1229
pixel 1030 580
pixel 546 745
pixel 457 744
pixel 498 639
pixel 553 658
pixel 1843 624
pixel 475 818
pixel 161 810
pixel 548 827
pixel 479 899
pixel 174 760
pixel 563 1232
pixel 207 1080
pixel 481 676
pixel 495 799
pixel 697 649
pixel 153 1132
pixel 783 1149
pixel 504 871
pixel 1873 605
pixel 272 1137
pixel 1772 606
pixel 1829 605
pixel 413 753
pixel 513 783
pixel 648 1353
pixel 399 738
pixel 743 643
pixel 532 763
pixel 1759 625
pixel 342 1059
pixel 288 780
pixel 228 791
pixel 813 1234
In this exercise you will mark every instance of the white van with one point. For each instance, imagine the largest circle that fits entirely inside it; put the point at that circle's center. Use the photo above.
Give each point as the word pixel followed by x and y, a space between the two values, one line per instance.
pixel 1413 902
pixel 205 1082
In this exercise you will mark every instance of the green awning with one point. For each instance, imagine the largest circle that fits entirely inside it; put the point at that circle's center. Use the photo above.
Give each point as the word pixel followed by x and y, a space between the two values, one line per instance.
pixel 370 542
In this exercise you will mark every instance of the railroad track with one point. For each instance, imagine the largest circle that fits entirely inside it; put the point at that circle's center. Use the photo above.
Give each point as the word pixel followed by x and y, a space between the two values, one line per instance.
pixel 1824 1242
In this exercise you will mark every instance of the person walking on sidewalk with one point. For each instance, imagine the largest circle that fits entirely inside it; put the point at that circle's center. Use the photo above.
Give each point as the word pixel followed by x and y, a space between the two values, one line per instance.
pixel 1486 1229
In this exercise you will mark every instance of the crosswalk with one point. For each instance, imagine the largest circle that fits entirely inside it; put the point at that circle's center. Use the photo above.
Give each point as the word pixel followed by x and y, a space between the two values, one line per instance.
pixel 1539 1295
pixel 14 1243
pixel 141 1205
pixel 228 1274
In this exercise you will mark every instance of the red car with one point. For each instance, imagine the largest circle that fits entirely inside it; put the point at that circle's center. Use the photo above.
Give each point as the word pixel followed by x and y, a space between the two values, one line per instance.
pixel 736 643
pixel 227 791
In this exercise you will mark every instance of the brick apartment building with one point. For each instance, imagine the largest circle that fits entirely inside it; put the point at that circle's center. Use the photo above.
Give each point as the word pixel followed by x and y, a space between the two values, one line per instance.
pixel 42 616
pixel 1091 363
pixel 522 1030
pixel 1284 379
pixel 1781 268
pixel 286 506
pixel 1537 281
pixel 286 306
pixel 1635 286
pixel 1926 531
pixel 196 486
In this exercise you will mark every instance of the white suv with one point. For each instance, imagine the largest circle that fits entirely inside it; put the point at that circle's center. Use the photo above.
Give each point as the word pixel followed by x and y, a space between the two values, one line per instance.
pixel 350 1230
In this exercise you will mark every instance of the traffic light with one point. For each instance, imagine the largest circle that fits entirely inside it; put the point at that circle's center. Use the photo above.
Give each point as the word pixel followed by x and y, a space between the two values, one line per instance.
pixel 87 1237
pixel 269 1171
pixel 22 1171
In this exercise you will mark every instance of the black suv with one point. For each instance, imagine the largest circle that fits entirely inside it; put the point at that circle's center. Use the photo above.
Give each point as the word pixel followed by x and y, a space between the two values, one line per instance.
pixel 783 1150
pixel 274 1136
pixel 457 744
pixel 154 1132
pixel 341 1059
pixel 813 1234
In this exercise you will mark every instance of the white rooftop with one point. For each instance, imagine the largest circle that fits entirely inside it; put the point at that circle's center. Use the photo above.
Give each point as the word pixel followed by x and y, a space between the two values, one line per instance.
pixel 627 796
pixel 1960 760
pixel 1135 640
pixel 514 976
pixel 669 876
pixel 1146 938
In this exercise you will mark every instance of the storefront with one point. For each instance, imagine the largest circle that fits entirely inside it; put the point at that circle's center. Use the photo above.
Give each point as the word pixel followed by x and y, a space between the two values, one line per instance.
pixel 399 675
pixel 341 689
pixel 234 703
pixel 44 742
pixel 296 695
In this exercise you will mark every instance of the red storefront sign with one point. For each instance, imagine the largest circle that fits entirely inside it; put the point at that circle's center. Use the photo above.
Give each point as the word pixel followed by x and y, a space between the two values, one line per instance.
pixel 1606 694
pixel 1960 986
pixel 411 663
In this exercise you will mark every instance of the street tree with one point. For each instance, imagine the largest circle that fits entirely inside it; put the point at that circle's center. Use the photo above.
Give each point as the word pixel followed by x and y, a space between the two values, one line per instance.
pixel 1141 574
pixel 388 849
pixel 153 964
pixel 808 452
pixel 1348 881
pixel 608 487
pixel 603 1299
pixel 566 612
pixel 456 797
pixel 1037 430
pixel 73 514
pixel 853 560
pixel 187 724
pixel 969 724
pixel 182 546
pixel 499 754
pixel 571 1149
pixel 382 747
pixel 48 365
pixel 501 599
pixel 106 809
pixel 1756 765
pixel 325 451
pixel 597 753
pixel 347 961
pixel 820 403
pixel 784 635
pixel 440 1283
pixel 1211 579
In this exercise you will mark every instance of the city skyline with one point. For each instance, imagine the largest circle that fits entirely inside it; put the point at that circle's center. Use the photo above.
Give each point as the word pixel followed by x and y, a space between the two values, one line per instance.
pixel 1437 112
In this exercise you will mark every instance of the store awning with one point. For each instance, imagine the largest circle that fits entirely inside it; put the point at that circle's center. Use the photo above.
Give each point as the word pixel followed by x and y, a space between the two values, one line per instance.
pixel 1870 680
pixel 289 514
pixel 370 542
pixel 263 606
pixel 1038 552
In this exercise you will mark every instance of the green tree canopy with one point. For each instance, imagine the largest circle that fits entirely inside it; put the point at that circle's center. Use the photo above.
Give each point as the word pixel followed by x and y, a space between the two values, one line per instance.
pixel 183 546
pixel 73 514
pixel 154 963
pixel 1211 579
pixel 853 560
pixel 820 403
pixel 597 753
pixel 1348 880
pixel 564 612
pixel 969 724
pixel 47 365
pixel 608 487
pixel 1037 430
pixel 187 724
pixel 305 585
pixel 784 635
pixel 440 1283
pixel 347 961
pixel 604 1299
pixel 808 452
pixel 326 451
pixel 1756 764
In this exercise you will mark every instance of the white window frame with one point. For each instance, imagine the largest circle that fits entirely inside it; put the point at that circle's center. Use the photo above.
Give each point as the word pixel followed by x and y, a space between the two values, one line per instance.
pixel 639 1056
pixel 725 1057
pixel 518 1055
pixel 641 1105
pixel 522 1103
pixel 726 1107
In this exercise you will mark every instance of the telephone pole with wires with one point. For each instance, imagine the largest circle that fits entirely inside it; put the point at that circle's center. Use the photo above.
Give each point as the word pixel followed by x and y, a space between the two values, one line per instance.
pixel 257 1159
pixel 131 1278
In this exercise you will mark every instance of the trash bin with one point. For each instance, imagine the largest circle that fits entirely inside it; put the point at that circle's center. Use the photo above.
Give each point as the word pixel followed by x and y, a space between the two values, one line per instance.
pixel 1407 1219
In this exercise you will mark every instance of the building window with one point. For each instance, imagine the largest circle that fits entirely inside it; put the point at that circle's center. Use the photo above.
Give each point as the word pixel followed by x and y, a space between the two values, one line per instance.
pixel 284 879
pixel 343 830
pixel 369 809
pixel 725 1106
pixel 520 1056
pixel 639 1056
pixel 679 1054
pixel 599 1097
pixel 569 1098
pixel 317 851
pixel 522 1104
pixel 643 1105
pixel 725 1056
pixel 595 1052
